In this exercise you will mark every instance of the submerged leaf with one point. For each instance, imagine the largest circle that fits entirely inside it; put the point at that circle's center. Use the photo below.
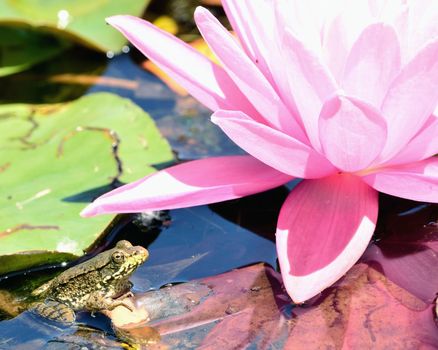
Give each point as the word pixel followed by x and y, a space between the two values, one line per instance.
pixel 21 48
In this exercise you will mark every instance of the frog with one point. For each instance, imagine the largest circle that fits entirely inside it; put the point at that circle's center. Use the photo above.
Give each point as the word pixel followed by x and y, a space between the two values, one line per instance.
pixel 100 283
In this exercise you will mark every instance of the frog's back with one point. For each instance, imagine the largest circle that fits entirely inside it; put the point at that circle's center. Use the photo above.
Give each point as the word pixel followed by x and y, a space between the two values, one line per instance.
pixel 73 273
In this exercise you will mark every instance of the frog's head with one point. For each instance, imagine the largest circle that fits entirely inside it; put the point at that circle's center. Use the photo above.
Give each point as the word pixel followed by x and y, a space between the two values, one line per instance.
pixel 125 258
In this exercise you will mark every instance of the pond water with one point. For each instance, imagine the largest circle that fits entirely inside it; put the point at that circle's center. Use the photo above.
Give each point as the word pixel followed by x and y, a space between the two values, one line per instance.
pixel 199 242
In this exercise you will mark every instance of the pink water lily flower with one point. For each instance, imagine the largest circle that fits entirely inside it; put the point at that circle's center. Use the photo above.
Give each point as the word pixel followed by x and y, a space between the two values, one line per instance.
pixel 340 93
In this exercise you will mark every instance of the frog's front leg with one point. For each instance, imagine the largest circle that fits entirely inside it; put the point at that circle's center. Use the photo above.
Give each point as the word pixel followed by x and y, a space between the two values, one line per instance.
pixel 97 301
pixel 54 310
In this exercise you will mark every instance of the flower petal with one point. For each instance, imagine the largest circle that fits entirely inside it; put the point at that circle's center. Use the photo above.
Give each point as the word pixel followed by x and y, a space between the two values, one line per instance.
pixel 416 181
pixel 260 33
pixel 411 99
pixel 193 183
pixel 310 84
pixel 273 147
pixel 246 75
pixel 255 32
pixel 352 133
pixel 422 146
pixel 340 33
pixel 205 80
pixel 306 19
pixel 423 19
pixel 324 227
pixel 372 64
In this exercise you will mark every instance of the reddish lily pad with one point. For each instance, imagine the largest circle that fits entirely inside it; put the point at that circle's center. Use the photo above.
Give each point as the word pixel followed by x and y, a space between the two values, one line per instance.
pixel 364 311
pixel 248 308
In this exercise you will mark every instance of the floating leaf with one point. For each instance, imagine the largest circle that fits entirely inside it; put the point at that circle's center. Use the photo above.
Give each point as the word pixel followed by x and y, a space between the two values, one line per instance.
pixel 82 20
pixel 54 159
pixel 21 48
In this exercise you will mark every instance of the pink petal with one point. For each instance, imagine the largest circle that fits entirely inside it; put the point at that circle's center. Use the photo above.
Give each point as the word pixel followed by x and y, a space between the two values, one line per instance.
pixel 422 146
pixel 246 75
pixel 423 19
pixel 341 33
pixel 305 19
pixel 372 64
pixel 255 33
pixel 273 147
pixel 193 183
pixel 259 31
pixel 416 181
pixel 352 133
pixel 411 99
pixel 310 83
pixel 205 80
pixel 324 227
pixel 400 21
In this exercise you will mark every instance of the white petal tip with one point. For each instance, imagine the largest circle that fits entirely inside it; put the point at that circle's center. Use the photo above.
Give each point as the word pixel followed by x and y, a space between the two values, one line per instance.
pixel 200 10
pixel 113 19
pixel 303 294
pixel 89 211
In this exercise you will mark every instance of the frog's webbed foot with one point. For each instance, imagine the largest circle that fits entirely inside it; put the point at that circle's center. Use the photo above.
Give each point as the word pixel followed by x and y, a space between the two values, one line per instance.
pixel 98 302
pixel 128 294
pixel 54 310
pixel 116 303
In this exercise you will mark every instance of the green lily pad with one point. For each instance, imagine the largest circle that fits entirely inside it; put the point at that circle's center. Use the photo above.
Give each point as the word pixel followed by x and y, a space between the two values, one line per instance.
pixel 21 48
pixel 83 20
pixel 54 159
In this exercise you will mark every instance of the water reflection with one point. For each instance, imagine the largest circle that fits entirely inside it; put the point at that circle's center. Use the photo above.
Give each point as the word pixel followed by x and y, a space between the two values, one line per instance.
pixel 64 18
pixel 405 246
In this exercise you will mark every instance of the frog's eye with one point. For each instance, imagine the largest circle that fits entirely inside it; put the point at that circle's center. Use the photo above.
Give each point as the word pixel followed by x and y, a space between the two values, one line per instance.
pixel 118 257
